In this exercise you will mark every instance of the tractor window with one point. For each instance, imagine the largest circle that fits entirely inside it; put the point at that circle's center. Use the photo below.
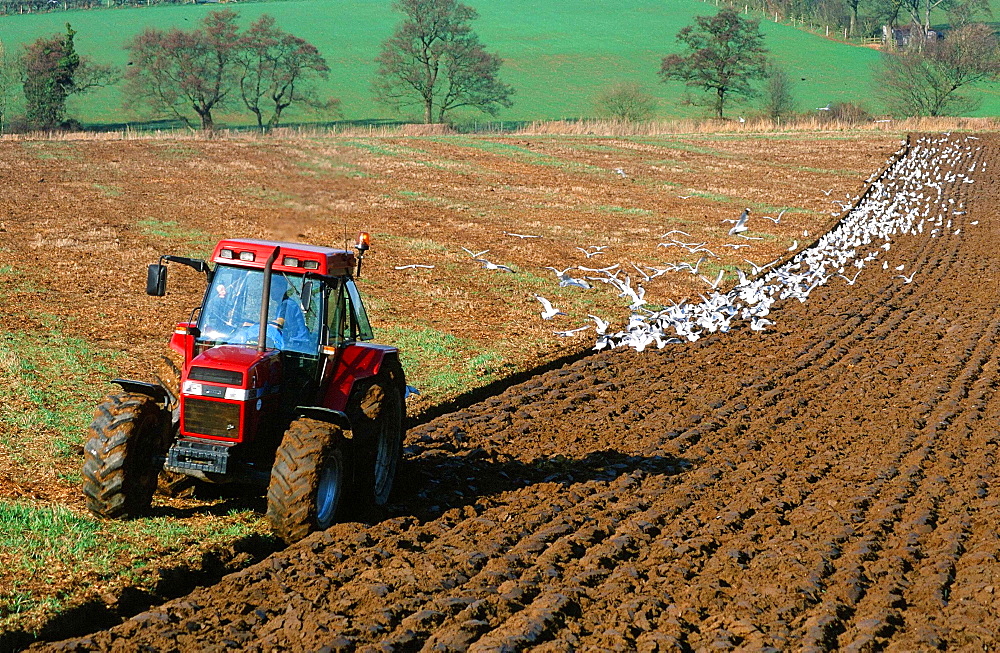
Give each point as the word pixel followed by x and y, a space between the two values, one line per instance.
pixel 302 299
pixel 338 313
pixel 363 326
pixel 231 313
pixel 347 320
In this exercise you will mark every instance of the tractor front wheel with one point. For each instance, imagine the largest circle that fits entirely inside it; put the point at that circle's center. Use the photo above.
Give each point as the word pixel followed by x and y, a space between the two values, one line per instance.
pixel 307 481
pixel 127 436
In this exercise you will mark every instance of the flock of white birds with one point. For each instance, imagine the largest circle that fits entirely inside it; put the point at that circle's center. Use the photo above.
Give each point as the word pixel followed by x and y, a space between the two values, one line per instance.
pixel 908 197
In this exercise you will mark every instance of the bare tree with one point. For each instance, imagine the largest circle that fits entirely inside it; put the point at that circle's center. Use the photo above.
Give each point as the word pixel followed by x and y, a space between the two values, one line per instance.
pixel 778 101
pixel 434 60
pixel 276 70
pixel 176 70
pixel 626 101
pixel 925 81
pixel 724 54
pixel 920 11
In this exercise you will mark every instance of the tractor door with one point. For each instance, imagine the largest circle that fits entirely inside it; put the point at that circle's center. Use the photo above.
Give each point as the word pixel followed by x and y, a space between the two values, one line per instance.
pixel 344 360
pixel 302 353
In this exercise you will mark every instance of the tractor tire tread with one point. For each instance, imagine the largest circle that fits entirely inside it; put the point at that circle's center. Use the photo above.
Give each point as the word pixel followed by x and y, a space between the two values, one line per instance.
pixel 291 504
pixel 114 485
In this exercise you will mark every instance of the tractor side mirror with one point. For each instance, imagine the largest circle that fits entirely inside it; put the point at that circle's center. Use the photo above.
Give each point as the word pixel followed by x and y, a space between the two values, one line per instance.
pixel 307 288
pixel 156 280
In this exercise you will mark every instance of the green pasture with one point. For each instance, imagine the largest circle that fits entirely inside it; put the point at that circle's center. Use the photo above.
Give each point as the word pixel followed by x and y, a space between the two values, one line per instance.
pixel 558 55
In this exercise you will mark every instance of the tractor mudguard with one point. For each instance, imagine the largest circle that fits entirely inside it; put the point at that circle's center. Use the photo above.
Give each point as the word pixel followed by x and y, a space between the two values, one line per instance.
pixel 355 362
pixel 154 390
pixel 329 415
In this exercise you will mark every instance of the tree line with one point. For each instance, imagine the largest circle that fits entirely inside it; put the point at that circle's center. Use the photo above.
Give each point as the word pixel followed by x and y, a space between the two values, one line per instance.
pixel 723 56
pixel 865 18
pixel 10 7
pixel 434 61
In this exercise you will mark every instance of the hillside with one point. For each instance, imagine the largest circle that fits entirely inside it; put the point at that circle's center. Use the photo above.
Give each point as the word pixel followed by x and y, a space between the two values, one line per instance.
pixel 558 54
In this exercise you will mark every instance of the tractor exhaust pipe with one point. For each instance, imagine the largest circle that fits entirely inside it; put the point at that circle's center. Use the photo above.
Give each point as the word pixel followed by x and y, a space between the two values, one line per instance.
pixel 265 301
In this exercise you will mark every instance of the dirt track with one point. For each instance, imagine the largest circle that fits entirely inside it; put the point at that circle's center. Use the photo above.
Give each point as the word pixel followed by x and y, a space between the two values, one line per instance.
pixel 826 484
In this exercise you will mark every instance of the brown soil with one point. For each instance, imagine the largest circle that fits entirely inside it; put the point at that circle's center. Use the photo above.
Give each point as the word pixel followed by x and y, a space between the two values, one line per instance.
pixel 81 220
pixel 827 484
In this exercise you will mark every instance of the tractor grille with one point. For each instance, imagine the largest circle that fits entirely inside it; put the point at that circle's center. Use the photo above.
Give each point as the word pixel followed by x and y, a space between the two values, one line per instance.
pixel 215 376
pixel 213 418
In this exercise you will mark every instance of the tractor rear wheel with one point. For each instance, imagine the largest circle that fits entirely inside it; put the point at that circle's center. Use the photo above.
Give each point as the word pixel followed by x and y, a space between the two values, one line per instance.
pixel 128 434
pixel 378 416
pixel 307 481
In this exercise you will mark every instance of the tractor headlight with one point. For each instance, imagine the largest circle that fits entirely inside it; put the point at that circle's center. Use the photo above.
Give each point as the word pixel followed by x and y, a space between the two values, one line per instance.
pixel 237 394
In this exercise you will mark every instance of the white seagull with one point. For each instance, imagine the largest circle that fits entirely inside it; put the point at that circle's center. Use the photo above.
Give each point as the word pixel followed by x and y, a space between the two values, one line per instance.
pixel 718 279
pixel 489 265
pixel 549 311
pixel 598 249
pixel 776 220
pixel 850 282
pixel 600 326
pixel 741 223
pixel 566 334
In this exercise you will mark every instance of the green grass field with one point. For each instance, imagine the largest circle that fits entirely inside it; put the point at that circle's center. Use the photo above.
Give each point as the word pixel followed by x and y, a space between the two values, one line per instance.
pixel 559 55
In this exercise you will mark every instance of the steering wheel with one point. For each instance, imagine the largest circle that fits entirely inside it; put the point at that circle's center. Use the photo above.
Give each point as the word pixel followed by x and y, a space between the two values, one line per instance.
pixel 249 335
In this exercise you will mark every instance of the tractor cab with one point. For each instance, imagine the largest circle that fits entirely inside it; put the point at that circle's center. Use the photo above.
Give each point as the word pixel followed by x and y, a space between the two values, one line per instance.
pixel 306 285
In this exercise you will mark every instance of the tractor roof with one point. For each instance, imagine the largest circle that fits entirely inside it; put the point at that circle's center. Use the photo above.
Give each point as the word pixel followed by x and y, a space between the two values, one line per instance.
pixel 295 258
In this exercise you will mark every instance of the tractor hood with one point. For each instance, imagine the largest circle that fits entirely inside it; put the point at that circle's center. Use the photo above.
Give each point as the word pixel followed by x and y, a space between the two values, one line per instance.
pixel 238 366
pixel 227 390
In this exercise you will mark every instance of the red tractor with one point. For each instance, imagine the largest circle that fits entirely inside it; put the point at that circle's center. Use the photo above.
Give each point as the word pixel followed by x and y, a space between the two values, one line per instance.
pixel 278 388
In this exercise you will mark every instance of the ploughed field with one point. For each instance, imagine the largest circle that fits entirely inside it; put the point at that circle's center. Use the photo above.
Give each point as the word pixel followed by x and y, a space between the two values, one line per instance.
pixel 827 483
pixel 81 218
